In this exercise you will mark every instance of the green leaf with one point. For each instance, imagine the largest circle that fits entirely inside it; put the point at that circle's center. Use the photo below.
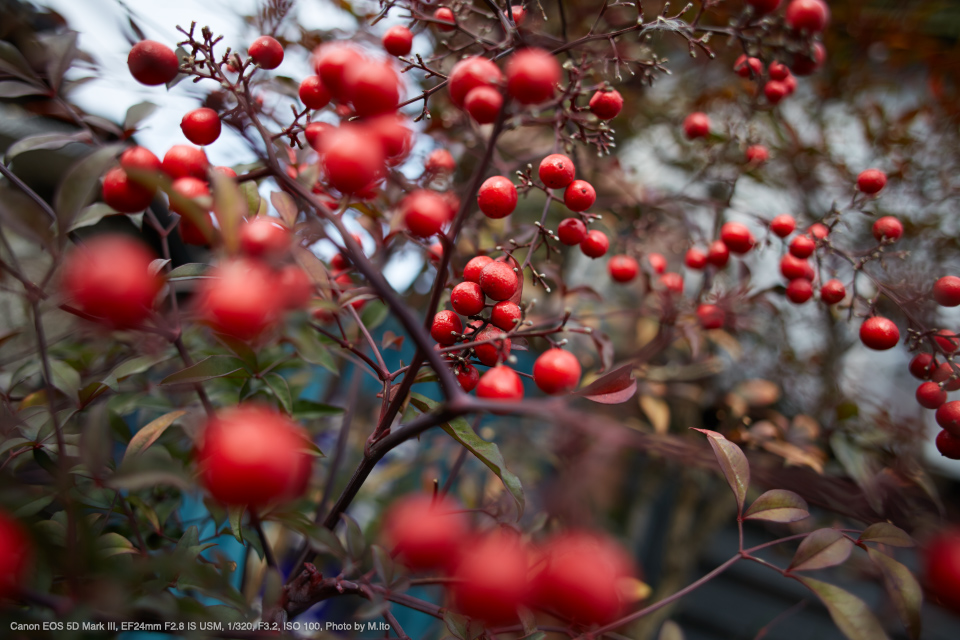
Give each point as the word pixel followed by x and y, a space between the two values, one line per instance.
pixel 207 369
pixel 235 518
pixel 904 590
pixel 49 141
pixel 374 313
pixel 13 62
pixel 240 349
pixel 189 271
pixel 286 206
pixel 93 214
pixel 33 507
pixel 310 410
pixel 356 543
pixel 280 389
pixel 886 533
pixel 778 505
pixel 131 367
pixel 230 207
pixel 146 436
pixel 16 89
pixel 112 544
pixel 137 114
pixel 65 378
pixel 383 564
pixel 61 49
pixel 311 350
pixel 487 452
pixel 822 548
pixel 252 196
pixel 851 614
pixel 325 541
pixel 733 463
pixel 81 183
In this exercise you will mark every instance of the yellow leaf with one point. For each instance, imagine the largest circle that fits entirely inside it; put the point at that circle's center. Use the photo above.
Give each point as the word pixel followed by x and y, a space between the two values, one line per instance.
pixel 658 412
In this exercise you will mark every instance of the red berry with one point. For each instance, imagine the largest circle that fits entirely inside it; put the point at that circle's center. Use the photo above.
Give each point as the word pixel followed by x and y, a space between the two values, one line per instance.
pixel 446 327
pixel 818 230
pixel 470 73
pixel 424 213
pixel 140 159
pixel 492 580
pixel 264 237
pixel 252 455
pixel 833 291
pixel 783 225
pixel 445 15
pixel 696 125
pixel 152 63
pixel 426 533
pixel 532 75
pixel 372 86
pixel 579 195
pixel 499 281
pixel 793 267
pixel 779 71
pixel 879 333
pixel 440 161
pixel 922 366
pixel 748 67
pixel 595 244
pixel 314 133
pixel 799 290
pixel 467 299
pixel 710 316
pixel 349 161
pixel 695 259
pixel 391 131
pixel 183 161
pixel 672 282
pixel 947 340
pixel 658 263
pixel 435 253
pixel 757 154
pixel 201 126
pixel 623 268
pixel 737 237
pixel 944 373
pixel 500 383
pixel 16 552
pixel 398 40
pixel 807 15
pixel 556 371
pixel 483 104
pixel 331 62
pixel 571 231
pixel 497 350
pixel 313 94
pixel 266 52
pixel 518 13
pixel 946 291
pixel 226 171
pixel 804 65
pixel 871 181
pixel 764 6
pixel 125 195
pixel 775 91
pixel 474 268
pixel 241 299
pixel 949 447
pixel 802 246
pixel 887 227
pixel 557 171
pixel 606 105
pixel 506 315
pixel 718 254
pixel 109 278
pixel 295 287
pixel 930 395
pixel 497 197
pixel 192 189
pixel 468 377
pixel 948 417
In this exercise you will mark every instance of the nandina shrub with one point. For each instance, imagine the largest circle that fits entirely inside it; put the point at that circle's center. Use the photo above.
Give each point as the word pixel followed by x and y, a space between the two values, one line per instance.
pixel 484 291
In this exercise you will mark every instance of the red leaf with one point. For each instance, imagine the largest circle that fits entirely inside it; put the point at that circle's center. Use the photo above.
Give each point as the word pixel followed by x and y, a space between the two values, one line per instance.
pixel 615 387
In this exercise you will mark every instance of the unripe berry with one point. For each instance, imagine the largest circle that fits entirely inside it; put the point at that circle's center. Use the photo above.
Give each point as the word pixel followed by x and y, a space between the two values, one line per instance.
pixel 152 63
pixel 871 181
pixel 500 383
pixel 499 281
pixel 557 171
pixel 949 447
pixel 710 316
pixel 623 268
pixel 887 227
pixel 779 71
pixel 483 104
pixel 804 65
pixel 737 237
pixel 252 455
pixel 331 62
pixel 948 417
pixel 799 290
pixel 783 225
pixel 266 52
pixel 440 161
pixel 446 15
pixel 748 67
pixel 350 163
pixel 579 195
pixel 807 15
pixel 718 254
pixel 120 192
pixel 775 91
pixel 109 278
pixel 556 371
pixel 571 231
pixel 264 237
pixel 696 125
pixel 879 333
pixel 492 580
pixel 467 299
pixel 930 395
pixel 832 291
pixel 606 105
pixel 802 246
pixel 922 366
pixel 182 161
pixel 793 267
pixel 757 154
pixel 532 75
pixel 446 327
pixel 474 268
pixel 764 6
pixel 426 533
pixel 497 350
pixel 695 259
pixel 497 197
pixel 947 340
pixel 398 40
pixel 658 263
pixel 946 291
pixel 468 377
pixel 15 555
pixel 201 126
pixel 672 283
pixel 470 73
pixel 595 244
pixel 506 315
pixel 313 94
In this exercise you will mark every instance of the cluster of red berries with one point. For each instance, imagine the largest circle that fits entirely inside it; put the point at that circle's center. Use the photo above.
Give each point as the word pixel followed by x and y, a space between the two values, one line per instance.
pixel 580 576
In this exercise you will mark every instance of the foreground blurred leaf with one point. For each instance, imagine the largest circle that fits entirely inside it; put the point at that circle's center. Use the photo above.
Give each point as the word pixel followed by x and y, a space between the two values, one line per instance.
pixel 778 505
pixel 613 388
pixel 230 207
pixel 733 463
pixel 81 183
pixel 904 590
pixel 670 631
pixel 822 548
pixel 851 614
pixel 49 141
